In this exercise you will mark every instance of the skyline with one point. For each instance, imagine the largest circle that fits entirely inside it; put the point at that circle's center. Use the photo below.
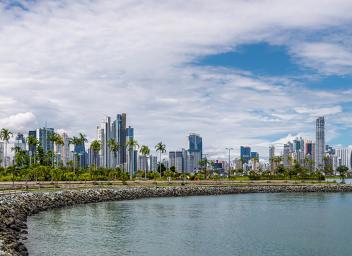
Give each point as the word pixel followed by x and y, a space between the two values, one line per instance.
pixel 228 71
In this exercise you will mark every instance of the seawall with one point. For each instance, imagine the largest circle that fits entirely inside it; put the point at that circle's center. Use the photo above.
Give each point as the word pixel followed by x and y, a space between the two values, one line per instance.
pixel 14 209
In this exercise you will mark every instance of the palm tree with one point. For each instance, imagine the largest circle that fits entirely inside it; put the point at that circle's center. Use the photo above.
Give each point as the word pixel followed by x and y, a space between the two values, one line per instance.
pixel 5 135
pixel 162 149
pixel 59 141
pixel 114 148
pixel 145 151
pixel 203 164
pixel 32 142
pixel 95 146
pixel 82 139
pixel 75 141
pixel 131 145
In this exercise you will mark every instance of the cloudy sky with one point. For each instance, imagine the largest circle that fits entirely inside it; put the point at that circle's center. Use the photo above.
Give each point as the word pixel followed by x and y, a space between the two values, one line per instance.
pixel 236 72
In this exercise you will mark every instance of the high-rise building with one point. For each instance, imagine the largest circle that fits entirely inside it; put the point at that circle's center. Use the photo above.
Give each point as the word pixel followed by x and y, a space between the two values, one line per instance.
pixel 153 163
pixel 142 163
pixel 32 149
pixel 120 136
pixel 176 160
pixel 271 157
pixel 20 141
pixel 287 153
pixel 2 154
pixel 80 152
pixel 254 155
pixel 131 156
pixel 195 149
pixel 320 143
pixel 105 136
pixel 65 149
pixel 245 153
pixel 43 135
pixel 344 157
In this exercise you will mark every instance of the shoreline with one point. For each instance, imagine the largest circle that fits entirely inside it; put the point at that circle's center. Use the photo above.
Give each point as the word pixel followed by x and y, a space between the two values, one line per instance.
pixel 14 209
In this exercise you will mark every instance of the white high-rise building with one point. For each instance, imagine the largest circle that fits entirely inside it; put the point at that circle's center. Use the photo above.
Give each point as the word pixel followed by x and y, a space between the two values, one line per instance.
pixel 344 158
pixel 320 143
pixel 64 150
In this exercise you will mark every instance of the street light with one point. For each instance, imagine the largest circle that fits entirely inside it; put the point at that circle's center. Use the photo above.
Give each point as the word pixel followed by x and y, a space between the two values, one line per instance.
pixel 228 173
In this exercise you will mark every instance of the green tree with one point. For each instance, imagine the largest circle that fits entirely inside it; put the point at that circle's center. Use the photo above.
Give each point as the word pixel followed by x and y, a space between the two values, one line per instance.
pixel 95 146
pixel 161 148
pixel 131 144
pixel 145 151
pixel 5 135
pixel 342 170
pixel 114 148
pixel 75 141
pixel 203 165
pixel 32 142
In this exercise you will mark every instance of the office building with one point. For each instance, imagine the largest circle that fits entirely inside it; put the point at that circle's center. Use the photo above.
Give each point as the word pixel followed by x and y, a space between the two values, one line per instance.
pixel 176 160
pixel 320 143
pixel 255 155
pixel 153 163
pixel 20 141
pixel 245 153
pixel 195 149
pixel 344 157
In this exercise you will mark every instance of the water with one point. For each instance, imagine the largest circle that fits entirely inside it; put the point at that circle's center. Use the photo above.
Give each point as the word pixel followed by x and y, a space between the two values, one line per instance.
pixel 244 224
pixel 338 180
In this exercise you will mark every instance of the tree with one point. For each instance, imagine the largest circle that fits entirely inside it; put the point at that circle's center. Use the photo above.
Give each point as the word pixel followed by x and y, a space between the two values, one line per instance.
pixel 32 142
pixel 343 172
pixel 57 140
pixel 203 165
pixel 161 148
pixel 5 135
pixel 131 145
pixel 95 146
pixel 114 148
pixel 145 151
pixel 75 141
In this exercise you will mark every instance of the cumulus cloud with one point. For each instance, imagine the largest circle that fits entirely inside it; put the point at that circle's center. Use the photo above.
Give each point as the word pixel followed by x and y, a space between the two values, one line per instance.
pixel 71 62
pixel 18 122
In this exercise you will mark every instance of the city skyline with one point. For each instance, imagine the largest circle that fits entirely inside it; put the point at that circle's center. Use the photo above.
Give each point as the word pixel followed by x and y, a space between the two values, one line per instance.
pixel 248 78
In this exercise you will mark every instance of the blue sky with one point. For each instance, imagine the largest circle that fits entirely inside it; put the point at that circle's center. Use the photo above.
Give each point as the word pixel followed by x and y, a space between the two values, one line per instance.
pixel 237 72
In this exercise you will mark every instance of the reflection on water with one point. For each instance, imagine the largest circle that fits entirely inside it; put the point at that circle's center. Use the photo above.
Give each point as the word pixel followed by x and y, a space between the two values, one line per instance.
pixel 247 224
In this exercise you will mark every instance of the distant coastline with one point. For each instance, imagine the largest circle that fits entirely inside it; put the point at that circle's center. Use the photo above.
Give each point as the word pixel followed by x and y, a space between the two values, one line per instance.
pixel 14 209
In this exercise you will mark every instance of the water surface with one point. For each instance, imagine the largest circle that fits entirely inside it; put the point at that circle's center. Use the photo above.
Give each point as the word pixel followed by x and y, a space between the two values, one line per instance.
pixel 244 224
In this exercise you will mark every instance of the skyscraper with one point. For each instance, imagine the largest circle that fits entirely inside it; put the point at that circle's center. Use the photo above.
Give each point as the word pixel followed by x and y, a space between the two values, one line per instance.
pixel 344 157
pixel 20 141
pixel 320 143
pixel 120 137
pixel 2 154
pixel 176 160
pixel 271 156
pixel 195 149
pixel 43 135
pixel 131 155
pixel 245 153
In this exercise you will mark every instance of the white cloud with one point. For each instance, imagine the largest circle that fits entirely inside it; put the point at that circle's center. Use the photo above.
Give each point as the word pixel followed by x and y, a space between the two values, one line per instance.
pixel 328 58
pixel 18 122
pixel 322 111
pixel 69 63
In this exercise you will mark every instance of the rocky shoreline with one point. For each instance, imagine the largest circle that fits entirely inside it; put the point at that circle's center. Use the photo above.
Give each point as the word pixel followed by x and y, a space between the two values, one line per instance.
pixel 14 209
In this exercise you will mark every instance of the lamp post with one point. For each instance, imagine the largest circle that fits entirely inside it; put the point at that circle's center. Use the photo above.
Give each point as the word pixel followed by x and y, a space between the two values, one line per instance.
pixel 229 150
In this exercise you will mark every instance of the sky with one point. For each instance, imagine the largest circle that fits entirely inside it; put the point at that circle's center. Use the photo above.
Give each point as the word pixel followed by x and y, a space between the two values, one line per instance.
pixel 236 72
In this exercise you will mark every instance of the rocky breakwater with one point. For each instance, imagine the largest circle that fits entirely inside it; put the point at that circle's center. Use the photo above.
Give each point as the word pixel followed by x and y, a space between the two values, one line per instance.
pixel 14 209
